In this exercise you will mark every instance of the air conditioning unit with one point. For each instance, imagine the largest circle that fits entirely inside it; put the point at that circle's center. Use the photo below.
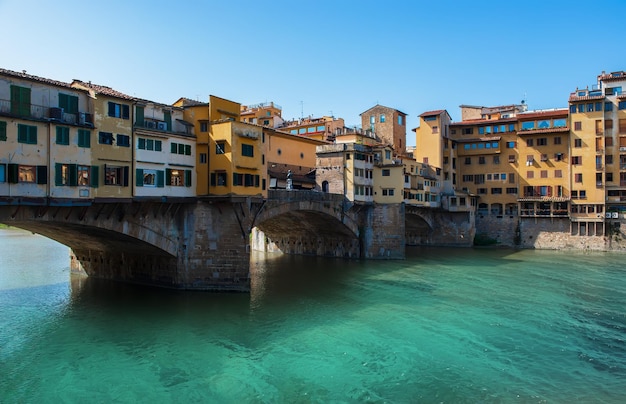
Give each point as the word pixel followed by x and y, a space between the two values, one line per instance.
pixel 56 114
pixel 615 215
pixel 85 119
pixel 622 149
pixel 161 126
pixel 607 215
pixel 149 124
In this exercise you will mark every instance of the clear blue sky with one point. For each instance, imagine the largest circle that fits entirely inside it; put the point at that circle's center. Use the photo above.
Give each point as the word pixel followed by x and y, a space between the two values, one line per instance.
pixel 314 57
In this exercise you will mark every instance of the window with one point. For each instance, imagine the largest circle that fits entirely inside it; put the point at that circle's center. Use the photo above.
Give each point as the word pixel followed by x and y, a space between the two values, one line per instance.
pixel 608 106
pixel 220 147
pixel 577 160
pixel 529 142
pixel 105 138
pixel 115 175
pixel 204 126
pixel 69 103
pixel 180 148
pixel 496 159
pixel 123 140
pixel 468 178
pixel 572 109
pixel 530 174
pixel 203 158
pixel 511 158
pixel 3 131
pixel 481 160
pixel 388 191
pixel 63 135
pixel 84 138
pixel 609 177
pixel 26 134
pixel 382 118
pixel 542 141
pixel 496 191
pixel 24 173
pixel 20 101
pixel 3 173
pixel 119 110
pixel 468 161
pixel 150 178
pixel 386 172
pixel 621 105
pixel 622 126
pixel 247 150
pixel 557 140
pixel 219 178
pixel 528 125
pixel 582 194
pixel 66 175
pixel 177 177
pixel 578 143
pixel 544 157
pixel 558 174
pixel 511 190
pixel 400 121
pixel 237 179
pixel 372 119
pixel 468 131
pixel 578 177
pixel 578 125
pixel 608 159
pixel 482 190
pixel 558 156
pixel 510 145
pixel 544 174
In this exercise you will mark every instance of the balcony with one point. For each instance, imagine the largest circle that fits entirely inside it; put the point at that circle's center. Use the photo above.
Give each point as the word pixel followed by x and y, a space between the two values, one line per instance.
pixel 40 112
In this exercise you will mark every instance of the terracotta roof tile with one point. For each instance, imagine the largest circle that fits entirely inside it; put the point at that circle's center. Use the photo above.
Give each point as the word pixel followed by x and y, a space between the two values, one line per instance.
pixel 574 97
pixel 23 75
pixel 435 112
pixel 104 90
pixel 540 131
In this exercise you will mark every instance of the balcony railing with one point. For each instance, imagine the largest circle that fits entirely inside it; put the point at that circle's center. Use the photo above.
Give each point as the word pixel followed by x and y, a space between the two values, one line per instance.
pixel 42 112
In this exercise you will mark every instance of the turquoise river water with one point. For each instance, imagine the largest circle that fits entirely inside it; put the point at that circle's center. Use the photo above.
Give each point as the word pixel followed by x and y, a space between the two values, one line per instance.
pixel 442 326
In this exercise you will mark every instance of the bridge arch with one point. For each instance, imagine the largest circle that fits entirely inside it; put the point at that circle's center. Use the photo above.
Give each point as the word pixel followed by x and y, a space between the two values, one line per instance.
pixel 307 223
pixel 418 226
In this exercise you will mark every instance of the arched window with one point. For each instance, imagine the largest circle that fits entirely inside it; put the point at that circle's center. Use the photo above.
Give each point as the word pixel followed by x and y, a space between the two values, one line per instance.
pixel 325 186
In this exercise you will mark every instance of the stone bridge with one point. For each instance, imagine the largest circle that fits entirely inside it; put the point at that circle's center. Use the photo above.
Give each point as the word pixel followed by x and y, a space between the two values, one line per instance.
pixel 204 243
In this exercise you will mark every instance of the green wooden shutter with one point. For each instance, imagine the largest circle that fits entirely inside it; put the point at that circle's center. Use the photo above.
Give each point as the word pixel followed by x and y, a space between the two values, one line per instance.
pixel 167 117
pixel 139 116
pixel 157 145
pixel 168 176
pixel 160 179
pixel 139 177
pixel 20 101
pixel 73 105
pixel 3 131
pixel 93 177
pixel 13 174
pixel 125 173
pixel 187 178
pixel 58 174
pixel 73 173
pixel 188 150
pixel 174 148
pixel 42 174
pixel 213 179
pixel 125 112
pixel 141 143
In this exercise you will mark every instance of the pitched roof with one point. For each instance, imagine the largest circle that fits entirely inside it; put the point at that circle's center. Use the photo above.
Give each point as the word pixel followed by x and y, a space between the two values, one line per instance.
pixel 435 112
pixel 383 107
pixel 23 75
pixel 104 90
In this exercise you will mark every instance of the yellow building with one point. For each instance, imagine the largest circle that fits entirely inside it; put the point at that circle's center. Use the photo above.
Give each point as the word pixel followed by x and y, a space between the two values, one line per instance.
pixel 236 159
pixel 542 162
pixel 323 128
pixel 597 119
pixel 111 147
pixel 284 153
pixel 267 114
